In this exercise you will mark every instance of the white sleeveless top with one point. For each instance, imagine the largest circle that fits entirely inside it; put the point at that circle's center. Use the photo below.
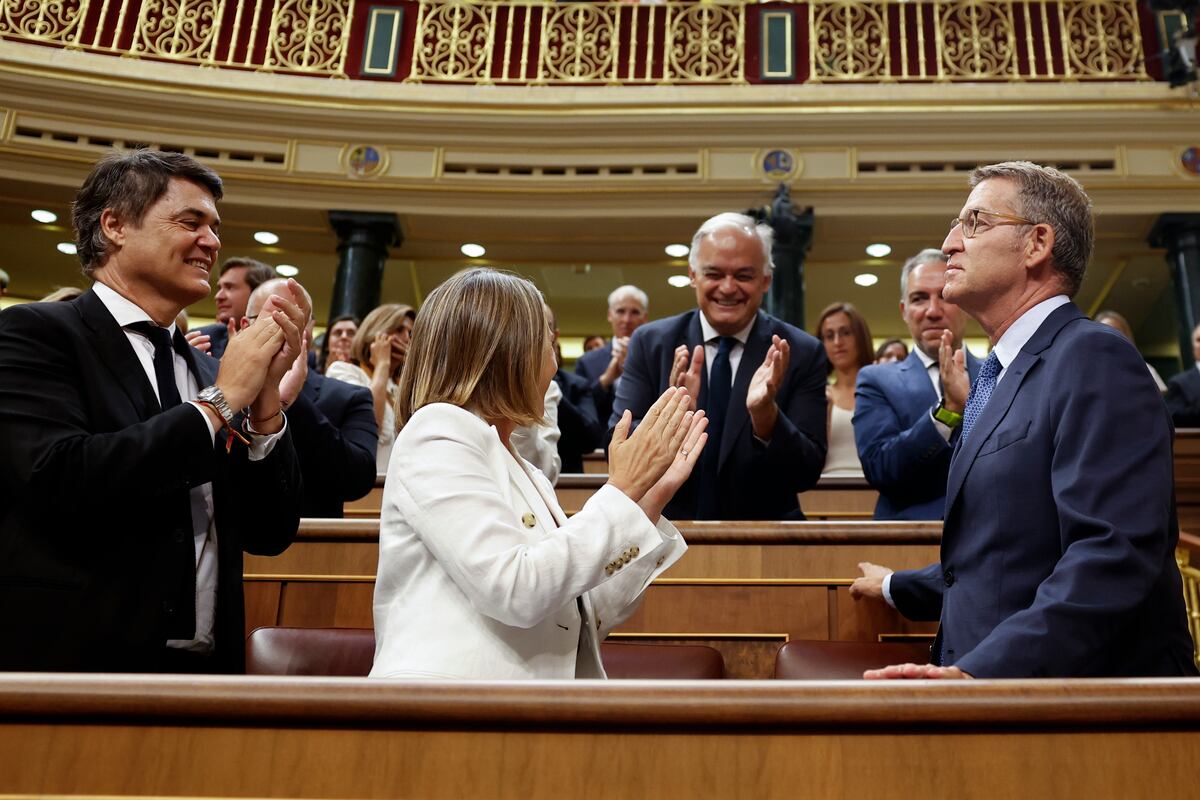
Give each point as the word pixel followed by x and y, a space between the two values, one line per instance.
pixel 842 456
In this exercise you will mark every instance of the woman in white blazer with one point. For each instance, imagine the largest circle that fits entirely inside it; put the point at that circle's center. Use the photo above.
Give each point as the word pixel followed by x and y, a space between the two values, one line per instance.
pixel 481 575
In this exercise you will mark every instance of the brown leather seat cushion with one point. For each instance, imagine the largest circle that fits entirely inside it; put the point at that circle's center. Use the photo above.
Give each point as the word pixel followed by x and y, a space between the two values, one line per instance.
pixel 662 661
pixel 821 660
pixel 310 651
pixel 350 651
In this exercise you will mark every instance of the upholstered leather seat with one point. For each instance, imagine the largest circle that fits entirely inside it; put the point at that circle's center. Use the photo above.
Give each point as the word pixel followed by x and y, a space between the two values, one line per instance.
pixel 662 661
pixel 350 651
pixel 821 660
pixel 310 651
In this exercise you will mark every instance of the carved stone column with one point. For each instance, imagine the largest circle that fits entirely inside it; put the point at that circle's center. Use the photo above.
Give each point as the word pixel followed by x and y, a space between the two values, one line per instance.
pixel 1180 235
pixel 363 242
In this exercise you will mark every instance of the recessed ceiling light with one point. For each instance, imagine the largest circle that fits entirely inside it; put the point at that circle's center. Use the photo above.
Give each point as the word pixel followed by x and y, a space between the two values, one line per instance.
pixel 287 270
pixel 679 281
pixel 44 216
pixel 266 237
pixel 66 248
pixel 473 250
pixel 879 250
pixel 677 250
pixel 866 279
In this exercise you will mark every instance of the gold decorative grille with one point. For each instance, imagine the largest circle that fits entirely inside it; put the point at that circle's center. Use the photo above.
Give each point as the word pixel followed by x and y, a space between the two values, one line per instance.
pixel 59 21
pixel 535 42
pixel 972 40
pixel 1191 596
pixel 304 36
pixel 539 42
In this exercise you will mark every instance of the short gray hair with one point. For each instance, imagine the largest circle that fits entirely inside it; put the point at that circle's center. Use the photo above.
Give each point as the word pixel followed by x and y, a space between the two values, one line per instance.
pixel 1058 200
pixel 628 290
pixel 743 222
pixel 923 257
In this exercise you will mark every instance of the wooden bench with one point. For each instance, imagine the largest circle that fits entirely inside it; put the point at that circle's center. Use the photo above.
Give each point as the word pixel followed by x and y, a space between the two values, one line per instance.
pixel 744 588
pixel 196 736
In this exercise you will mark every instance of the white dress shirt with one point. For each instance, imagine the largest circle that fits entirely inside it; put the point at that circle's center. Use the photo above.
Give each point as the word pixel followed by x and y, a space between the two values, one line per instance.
pixel 712 341
pixel 127 313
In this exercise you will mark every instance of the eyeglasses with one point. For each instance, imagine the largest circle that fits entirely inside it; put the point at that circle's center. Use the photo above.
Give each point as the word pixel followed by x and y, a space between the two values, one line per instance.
pixel 970 224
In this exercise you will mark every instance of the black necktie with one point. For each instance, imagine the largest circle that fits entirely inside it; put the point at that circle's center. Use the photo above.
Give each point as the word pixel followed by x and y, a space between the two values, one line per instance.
pixel 720 384
pixel 164 362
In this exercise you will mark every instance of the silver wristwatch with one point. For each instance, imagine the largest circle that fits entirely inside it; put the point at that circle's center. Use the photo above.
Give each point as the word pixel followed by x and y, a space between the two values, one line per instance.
pixel 211 394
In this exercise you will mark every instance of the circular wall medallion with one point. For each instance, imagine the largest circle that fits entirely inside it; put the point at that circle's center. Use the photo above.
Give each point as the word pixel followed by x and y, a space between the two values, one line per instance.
pixel 778 165
pixel 364 161
pixel 1190 159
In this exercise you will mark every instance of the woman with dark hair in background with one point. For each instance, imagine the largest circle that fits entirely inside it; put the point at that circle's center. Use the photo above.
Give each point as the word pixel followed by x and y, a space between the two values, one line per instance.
pixel 847 339
pixel 339 340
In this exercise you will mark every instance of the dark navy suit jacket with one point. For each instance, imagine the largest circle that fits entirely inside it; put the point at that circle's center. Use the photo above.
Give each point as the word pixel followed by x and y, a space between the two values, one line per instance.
pixel 902 453
pixel 219 336
pixel 579 425
pixel 591 366
pixel 1058 547
pixel 1183 398
pixel 333 427
pixel 758 481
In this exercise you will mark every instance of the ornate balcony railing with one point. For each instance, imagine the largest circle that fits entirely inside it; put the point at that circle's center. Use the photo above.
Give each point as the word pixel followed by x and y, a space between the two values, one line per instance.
pixel 304 36
pixel 539 42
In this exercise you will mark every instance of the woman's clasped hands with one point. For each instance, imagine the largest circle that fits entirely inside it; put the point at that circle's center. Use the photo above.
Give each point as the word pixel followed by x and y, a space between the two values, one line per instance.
pixel 651 464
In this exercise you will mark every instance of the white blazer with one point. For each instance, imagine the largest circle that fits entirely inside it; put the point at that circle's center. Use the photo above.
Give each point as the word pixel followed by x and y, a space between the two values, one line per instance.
pixel 482 576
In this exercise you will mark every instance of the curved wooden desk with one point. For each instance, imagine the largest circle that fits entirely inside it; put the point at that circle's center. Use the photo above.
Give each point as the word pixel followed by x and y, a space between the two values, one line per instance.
pixel 280 737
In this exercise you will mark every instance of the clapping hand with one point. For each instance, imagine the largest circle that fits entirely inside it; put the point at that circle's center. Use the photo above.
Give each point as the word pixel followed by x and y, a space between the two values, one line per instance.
pixel 764 386
pixel 685 372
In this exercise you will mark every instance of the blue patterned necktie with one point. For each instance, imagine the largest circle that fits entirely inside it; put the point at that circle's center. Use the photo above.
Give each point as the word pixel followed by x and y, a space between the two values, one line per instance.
pixel 720 385
pixel 981 392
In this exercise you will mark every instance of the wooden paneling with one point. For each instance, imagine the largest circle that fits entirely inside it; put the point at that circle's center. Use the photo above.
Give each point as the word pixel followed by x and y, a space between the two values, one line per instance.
pixel 125 736
pixel 745 588
pixel 1187 478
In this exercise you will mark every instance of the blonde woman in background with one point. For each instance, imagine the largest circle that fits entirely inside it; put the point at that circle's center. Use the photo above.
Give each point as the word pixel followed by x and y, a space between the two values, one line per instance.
pixel 481 574
pixel 847 339
pixel 376 358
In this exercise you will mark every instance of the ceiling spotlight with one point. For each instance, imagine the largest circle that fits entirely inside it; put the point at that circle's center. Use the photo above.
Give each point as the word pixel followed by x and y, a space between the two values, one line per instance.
pixel 678 250
pixel 66 248
pixel 866 279
pixel 473 250
pixel 266 237
pixel 44 216
pixel 287 270
pixel 679 281
pixel 879 250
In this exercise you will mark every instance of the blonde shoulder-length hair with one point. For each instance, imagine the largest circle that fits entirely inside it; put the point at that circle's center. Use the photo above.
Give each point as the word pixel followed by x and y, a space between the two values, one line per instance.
pixel 383 319
pixel 478 343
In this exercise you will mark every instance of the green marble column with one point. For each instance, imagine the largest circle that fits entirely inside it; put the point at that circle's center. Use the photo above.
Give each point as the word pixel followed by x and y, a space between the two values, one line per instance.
pixel 1180 235
pixel 363 242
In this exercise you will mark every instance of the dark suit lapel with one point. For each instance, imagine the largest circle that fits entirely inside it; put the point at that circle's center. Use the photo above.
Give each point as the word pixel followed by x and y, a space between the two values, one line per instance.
pixel 1003 396
pixel 753 353
pixel 973 365
pixel 995 410
pixel 117 354
pixel 693 336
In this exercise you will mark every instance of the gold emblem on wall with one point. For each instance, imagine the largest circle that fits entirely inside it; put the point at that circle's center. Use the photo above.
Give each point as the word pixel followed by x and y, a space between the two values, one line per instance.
pixel 364 161
pixel 778 165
